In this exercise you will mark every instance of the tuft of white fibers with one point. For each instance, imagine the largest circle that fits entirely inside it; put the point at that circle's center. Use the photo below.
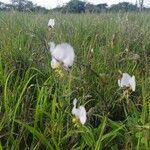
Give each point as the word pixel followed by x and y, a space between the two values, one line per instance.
pixel 63 53
pixel 127 81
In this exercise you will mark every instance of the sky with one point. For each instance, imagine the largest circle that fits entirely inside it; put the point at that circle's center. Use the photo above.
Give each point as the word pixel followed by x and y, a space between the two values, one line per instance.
pixel 53 3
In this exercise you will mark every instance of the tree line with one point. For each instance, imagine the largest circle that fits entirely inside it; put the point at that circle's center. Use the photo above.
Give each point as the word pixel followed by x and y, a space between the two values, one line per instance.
pixel 78 6
pixel 74 6
pixel 21 5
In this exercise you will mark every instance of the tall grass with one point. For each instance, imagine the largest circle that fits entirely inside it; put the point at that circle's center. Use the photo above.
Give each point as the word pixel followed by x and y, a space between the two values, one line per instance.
pixel 35 104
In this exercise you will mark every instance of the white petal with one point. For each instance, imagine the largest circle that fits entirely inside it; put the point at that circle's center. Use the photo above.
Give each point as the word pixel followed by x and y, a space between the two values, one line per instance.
pixel 119 83
pixel 74 111
pixel 132 83
pixel 75 102
pixel 125 80
pixel 52 46
pixel 51 23
pixel 82 114
pixel 54 63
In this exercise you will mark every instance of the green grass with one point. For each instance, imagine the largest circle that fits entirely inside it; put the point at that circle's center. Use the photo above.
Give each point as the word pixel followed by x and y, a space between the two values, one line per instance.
pixel 35 105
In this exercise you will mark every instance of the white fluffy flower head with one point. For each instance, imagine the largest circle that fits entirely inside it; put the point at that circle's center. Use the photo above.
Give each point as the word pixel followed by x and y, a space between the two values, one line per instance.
pixel 127 81
pixel 63 53
pixel 80 113
pixel 51 23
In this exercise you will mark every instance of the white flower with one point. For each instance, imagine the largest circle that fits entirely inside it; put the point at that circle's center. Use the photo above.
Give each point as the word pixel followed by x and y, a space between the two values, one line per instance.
pixel 80 113
pixel 127 81
pixel 63 53
pixel 132 83
pixel 51 23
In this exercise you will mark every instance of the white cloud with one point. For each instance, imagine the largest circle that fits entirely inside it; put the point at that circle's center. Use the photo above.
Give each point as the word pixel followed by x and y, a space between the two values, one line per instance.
pixel 5 1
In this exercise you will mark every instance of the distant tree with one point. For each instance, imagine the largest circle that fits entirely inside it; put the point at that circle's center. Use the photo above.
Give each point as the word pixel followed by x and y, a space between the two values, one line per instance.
pixel 124 6
pixel 29 5
pixel 6 7
pixel 141 4
pixel 61 9
pixel 89 8
pixel 2 6
pixel 75 6
pixel 38 9
pixel 101 7
pixel 22 5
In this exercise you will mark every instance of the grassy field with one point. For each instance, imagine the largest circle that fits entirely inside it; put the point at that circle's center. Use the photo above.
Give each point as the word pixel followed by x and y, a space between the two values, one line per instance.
pixel 35 104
